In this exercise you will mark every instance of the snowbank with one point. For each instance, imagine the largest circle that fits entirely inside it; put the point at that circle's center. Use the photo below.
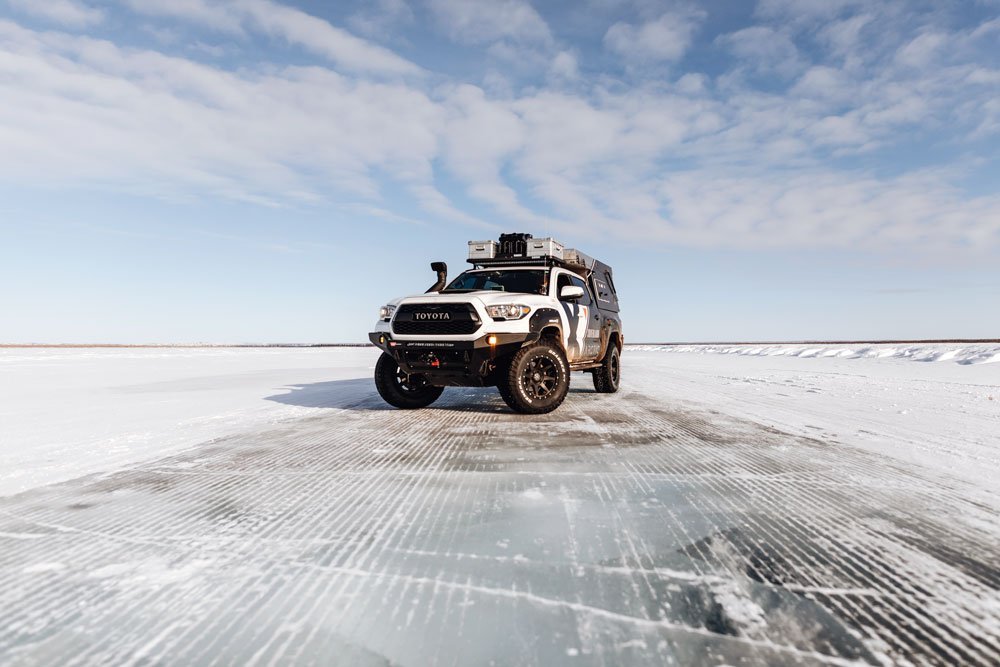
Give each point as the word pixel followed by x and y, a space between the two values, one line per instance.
pixel 962 354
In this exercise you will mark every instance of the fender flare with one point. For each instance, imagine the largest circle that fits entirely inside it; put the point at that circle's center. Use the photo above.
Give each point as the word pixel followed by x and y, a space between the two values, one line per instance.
pixel 606 336
pixel 542 319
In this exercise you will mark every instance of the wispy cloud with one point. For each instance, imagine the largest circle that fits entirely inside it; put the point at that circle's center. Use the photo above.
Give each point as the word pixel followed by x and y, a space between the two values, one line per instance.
pixel 764 50
pixel 487 21
pixel 804 158
pixel 664 39
pixel 70 13
pixel 87 111
pixel 805 10
pixel 382 17
pixel 283 22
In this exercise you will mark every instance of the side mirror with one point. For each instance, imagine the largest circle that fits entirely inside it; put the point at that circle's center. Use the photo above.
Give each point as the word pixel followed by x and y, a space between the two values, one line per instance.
pixel 570 293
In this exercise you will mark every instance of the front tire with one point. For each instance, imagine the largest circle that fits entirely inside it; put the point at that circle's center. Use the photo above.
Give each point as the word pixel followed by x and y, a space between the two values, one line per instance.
pixel 609 375
pixel 398 389
pixel 537 379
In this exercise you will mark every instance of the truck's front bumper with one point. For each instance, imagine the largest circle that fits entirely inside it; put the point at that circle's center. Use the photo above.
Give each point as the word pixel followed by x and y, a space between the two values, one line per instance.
pixel 466 363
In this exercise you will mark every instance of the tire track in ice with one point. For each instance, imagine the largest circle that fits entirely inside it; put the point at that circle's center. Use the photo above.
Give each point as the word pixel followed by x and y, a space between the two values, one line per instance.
pixel 845 557
pixel 616 530
pixel 797 529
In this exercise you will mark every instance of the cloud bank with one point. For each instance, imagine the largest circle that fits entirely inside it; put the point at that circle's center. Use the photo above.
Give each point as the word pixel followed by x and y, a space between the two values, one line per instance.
pixel 800 133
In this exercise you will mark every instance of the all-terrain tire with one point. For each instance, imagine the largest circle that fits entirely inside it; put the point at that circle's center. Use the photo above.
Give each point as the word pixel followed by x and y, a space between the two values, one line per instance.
pixel 536 380
pixel 400 390
pixel 609 375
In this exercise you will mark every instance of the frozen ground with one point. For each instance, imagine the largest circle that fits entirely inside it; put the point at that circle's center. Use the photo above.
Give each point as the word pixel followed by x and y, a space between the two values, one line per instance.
pixel 70 412
pixel 726 507
pixel 935 405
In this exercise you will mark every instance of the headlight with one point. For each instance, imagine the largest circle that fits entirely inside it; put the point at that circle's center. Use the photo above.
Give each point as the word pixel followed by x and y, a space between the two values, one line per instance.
pixel 385 313
pixel 508 311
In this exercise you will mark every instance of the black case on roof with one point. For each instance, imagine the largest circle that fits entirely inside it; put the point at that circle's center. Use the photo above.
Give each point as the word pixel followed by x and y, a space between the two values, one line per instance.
pixel 513 245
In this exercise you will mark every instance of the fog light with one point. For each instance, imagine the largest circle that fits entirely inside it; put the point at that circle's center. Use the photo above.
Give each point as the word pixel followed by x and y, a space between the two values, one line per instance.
pixel 381 340
pixel 492 340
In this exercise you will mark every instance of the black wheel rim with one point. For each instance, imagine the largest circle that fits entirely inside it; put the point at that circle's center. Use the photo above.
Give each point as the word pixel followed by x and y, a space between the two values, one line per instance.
pixel 614 369
pixel 540 377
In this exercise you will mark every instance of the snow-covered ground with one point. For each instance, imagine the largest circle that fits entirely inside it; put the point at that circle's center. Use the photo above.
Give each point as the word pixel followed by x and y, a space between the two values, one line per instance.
pixel 942 413
pixel 728 506
pixel 70 412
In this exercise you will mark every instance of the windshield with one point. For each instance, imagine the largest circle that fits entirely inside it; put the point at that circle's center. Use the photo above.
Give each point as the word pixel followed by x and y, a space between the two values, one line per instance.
pixel 524 281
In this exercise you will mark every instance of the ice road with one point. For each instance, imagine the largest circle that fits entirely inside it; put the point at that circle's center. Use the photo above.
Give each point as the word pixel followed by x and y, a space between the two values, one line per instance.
pixel 792 509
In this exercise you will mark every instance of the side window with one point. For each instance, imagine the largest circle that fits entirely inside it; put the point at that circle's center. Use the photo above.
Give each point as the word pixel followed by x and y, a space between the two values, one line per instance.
pixel 604 288
pixel 607 274
pixel 562 281
pixel 585 300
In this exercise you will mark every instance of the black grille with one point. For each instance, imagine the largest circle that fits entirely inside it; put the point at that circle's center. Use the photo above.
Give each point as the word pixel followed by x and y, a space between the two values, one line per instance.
pixel 452 319
pixel 435 328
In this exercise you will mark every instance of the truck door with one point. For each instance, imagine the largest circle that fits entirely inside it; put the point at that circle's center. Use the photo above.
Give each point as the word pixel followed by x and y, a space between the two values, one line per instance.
pixel 590 321
pixel 576 314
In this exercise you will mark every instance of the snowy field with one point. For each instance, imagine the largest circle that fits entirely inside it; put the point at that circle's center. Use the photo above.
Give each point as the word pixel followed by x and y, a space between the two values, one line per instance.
pixel 71 412
pixel 731 505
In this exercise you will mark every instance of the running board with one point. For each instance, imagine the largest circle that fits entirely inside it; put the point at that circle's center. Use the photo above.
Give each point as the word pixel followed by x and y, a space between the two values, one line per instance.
pixel 585 366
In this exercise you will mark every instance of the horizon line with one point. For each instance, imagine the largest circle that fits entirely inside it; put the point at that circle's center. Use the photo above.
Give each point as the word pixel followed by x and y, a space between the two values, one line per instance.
pixel 926 341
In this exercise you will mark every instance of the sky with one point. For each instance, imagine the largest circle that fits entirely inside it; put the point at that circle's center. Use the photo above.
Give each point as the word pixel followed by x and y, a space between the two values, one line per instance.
pixel 179 171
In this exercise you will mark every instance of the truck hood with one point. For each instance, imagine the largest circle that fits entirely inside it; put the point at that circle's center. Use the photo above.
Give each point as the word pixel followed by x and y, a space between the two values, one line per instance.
pixel 482 297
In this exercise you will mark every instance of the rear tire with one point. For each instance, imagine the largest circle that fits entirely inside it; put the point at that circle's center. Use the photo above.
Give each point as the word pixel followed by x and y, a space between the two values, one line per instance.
pixel 609 375
pixel 398 389
pixel 537 379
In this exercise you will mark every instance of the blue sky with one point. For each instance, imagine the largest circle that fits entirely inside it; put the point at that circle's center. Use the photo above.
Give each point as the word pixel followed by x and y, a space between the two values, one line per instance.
pixel 256 171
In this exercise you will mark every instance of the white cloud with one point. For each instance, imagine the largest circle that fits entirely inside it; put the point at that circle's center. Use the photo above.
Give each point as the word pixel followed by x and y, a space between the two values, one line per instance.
pixel 70 13
pixel 701 161
pixel 320 37
pixel 665 39
pixel 86 111
pixel 217 15
pixel 482 137
pixel 378 18
pixel 485 21
pixel 292 25
pixel 844 37
pixel 838 131
pixel 825 83
pixel 805 10
pixel 564 66
pixel 842 211
pixel 763 49
pixel 921 50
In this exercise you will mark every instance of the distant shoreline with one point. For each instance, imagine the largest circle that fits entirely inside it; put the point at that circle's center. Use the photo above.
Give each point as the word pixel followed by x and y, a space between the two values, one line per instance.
pixel 315 345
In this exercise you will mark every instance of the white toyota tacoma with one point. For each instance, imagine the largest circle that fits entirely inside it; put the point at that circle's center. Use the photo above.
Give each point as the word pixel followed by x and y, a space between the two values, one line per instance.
pixel 528 313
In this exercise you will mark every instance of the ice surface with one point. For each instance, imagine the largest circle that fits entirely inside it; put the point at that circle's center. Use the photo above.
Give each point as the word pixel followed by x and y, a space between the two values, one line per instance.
pixel 70 412
pixel 720 509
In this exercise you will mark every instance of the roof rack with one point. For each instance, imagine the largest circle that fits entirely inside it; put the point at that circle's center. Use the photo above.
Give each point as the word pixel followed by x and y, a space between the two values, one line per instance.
pixel 524 250
pixel 485 263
